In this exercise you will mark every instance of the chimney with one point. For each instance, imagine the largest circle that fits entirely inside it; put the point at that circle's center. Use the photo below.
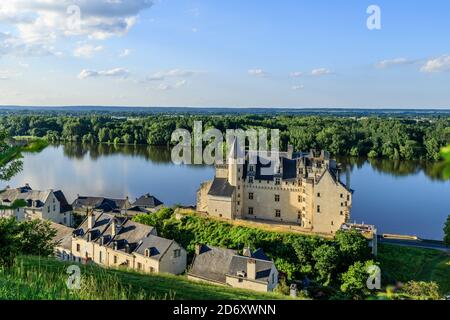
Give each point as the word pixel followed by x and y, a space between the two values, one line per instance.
pixel 290 152
pixel 114 228
pixel 91 219
pixel 247 252
pixel 251 269
pixel 198 249
pixel 293 291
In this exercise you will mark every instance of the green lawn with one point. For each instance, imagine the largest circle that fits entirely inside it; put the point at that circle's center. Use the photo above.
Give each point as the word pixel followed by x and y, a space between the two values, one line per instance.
pixel 41 278
pixel 405 263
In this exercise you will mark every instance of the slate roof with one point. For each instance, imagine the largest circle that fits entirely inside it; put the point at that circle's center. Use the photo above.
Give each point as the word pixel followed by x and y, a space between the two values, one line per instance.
pixel 221 188
pixel 99 203
pixel 63 237
pixel 128 232
pixel 158 246
pixel 147 201
pixel 34 198
pixel 239 264
pixel 215 264
pixel 64 205
pixel 212 263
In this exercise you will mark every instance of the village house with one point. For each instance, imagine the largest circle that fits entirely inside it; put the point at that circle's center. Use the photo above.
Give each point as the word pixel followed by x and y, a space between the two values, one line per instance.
pixel 303 189
pixel 253 270
pixel 145 204
pixel 45 205
pixel 117 241
pixel 62 242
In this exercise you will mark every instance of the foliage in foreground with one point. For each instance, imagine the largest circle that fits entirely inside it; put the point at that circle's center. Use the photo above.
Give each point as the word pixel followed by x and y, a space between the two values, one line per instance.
pixel 30 237
pixel 34 278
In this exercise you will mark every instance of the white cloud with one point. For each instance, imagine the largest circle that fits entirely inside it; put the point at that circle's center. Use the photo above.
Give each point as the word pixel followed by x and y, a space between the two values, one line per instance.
pixel 296 74
pixel 298 87
pixel 42 22
pixel 174 73
pixel 321 72
pixel 393 62
pixel 435 65
pixel 167 86
pixel 117 72
pixel 125 53
pixel 257 73
pixel 87 51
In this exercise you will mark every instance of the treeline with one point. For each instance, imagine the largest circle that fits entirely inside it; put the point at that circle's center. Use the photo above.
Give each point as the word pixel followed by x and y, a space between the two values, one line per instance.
pixel 375 137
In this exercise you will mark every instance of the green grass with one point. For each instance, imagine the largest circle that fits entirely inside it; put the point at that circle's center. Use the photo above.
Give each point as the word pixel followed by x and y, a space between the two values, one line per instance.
pixel 404 263
pixel 36 278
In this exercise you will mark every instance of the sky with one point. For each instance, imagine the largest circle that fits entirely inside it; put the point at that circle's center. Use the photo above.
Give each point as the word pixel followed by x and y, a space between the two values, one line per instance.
pixel 234 53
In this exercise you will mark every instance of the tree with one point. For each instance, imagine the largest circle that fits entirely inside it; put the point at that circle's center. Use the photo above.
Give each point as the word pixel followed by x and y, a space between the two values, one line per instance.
pixel 447 232
pixel 352 247
pixel 10 164
pixel 35 237
pixel 354 281
pixel 8 242
pixel 326 258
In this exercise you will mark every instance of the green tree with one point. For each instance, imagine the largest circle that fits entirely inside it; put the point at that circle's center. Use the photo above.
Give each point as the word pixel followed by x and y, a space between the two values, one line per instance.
pixel 8 242
pixel 354 281
pixel 447 232
pixel 10 164
pixel 352 247
pixel 327 258
pixel 35 237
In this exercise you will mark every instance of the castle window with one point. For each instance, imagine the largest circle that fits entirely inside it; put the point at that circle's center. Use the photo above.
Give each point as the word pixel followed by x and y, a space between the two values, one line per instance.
pixel 277 181
pixel 250 196
pixel 78 247
pixel 348 197
pixel 277 198
pixel 251 168
pixel 152 269
pixel 277 213
pixel 342 195
pixel 318 195
pixel 332 223
pixel 250 211
pixel 318 209
pixel 299 198
pixel 250 179
pixel 139 266
pixel 115 259
pixel 342 213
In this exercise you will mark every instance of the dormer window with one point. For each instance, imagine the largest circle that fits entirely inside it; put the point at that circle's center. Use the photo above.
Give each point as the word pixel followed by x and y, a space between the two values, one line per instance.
pixel 147 252
pixel 277 181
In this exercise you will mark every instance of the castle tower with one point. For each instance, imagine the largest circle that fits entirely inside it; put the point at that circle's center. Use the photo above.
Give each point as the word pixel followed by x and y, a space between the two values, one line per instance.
pixel 235 163
pixel 235 172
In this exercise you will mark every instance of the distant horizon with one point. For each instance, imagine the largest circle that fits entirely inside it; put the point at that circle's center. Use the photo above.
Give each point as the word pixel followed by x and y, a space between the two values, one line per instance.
pixel 428 109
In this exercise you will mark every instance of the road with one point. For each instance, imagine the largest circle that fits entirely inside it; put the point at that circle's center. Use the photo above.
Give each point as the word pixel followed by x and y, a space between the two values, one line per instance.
pixel 427 244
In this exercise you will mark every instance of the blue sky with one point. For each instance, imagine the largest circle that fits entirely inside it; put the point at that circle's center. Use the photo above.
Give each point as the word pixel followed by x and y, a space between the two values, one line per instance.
pixel 224 53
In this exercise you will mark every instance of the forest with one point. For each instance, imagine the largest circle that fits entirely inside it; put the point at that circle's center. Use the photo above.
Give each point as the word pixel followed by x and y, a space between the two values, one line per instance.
pixel 397 137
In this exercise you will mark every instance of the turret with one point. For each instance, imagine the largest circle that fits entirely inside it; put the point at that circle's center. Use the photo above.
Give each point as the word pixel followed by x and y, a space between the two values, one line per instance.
pixel 235 163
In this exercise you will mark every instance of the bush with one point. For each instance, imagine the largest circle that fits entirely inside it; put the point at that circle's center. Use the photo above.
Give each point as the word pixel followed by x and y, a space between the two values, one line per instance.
pixel 422 290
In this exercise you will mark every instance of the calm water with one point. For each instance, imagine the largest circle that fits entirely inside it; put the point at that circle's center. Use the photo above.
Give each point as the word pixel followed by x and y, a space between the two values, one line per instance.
pixel 398 197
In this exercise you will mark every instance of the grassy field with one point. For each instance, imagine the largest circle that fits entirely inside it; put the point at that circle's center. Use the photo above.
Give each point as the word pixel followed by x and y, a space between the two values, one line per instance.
pixel 39 278
pixel 404 263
